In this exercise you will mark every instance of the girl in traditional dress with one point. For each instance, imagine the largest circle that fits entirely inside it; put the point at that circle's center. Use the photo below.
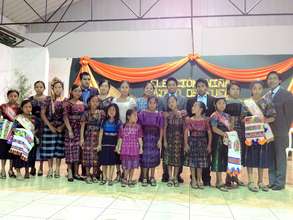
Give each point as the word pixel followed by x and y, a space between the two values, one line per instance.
pixel 108 138
pixel 73 111
pixel 28 122
pixel 173 140
pixel 197 140
pixel 130 146
pixel 257 156
pixel 234 107
pixel 37 101
pixel 89 133
pixel 124 102
pixel 8 111
pixel 152 123
pixel 220 125
pixel 53 133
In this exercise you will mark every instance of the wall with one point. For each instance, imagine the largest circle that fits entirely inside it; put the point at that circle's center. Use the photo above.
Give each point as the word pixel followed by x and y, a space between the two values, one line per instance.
pixel 33 62
pixel 209 41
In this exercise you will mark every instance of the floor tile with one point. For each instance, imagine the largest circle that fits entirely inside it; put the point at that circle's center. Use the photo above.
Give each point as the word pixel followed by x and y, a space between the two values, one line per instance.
pixel 94 201
pixel 240 212
pixel 58 199
pixel 77 212
pixel 283 214
pixel 165 216
pixel 169 207
pixel 119 214
pixel 210 210
pixel 130 204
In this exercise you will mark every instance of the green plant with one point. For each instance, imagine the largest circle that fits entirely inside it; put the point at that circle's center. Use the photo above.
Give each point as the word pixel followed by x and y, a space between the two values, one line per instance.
pixel 22 85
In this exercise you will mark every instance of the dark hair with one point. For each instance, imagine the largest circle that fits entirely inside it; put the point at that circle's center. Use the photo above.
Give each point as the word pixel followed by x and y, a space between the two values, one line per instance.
pixel 23 103
pixel 201 105
pixel 149 82
pixel 169 99
pixel 102 81
pixel 73 87
pixel 201 80
pixel 117 116
pixel 39 81
pixel 129 112
pixel 153 97
pixel 81 75
pixel 172 79
pixel 91 97
pixel 256 82
pixel 125 81
pixel 217 99
pixel 56 82
pixel 232 83
pixel 12 91
pixel 273 73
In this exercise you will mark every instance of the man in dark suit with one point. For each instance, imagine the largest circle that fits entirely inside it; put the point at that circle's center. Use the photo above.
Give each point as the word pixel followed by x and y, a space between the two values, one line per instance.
pixel 202 95
pixel 172 84
pixel 283 103
pixel 87 91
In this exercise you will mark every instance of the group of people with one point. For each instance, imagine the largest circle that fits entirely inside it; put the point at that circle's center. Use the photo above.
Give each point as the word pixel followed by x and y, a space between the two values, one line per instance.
pixel 101 134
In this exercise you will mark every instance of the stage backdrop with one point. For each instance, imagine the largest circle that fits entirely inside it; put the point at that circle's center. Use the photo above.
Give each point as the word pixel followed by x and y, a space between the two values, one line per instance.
pixel 189 72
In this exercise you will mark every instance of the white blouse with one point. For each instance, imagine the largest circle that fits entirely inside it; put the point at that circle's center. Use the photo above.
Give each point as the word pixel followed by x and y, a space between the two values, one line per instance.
pixel 130 103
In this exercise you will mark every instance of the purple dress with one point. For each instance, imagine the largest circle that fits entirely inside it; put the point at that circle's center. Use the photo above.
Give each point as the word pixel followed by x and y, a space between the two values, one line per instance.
pixel 91 138
pixel 151 123
pixel 129 154
pixel 74 113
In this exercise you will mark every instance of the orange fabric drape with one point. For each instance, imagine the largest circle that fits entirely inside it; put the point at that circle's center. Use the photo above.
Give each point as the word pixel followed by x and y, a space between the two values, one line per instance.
pixel 134 75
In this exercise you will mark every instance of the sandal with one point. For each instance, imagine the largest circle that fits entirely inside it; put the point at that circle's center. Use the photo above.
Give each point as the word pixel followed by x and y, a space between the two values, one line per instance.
pixel 88 180
pixel 27 175
pixel 193 185
pixel 153 182
pixel 110 183
pixel 57 174
pixel 200 185
pixel 103 182
pixel 3 174
pixel 222 188
pixel 40 172
pixel 69 176
pixel 19 177
pixel 118 177
pixel 124 183
pixel 144 183
pixel 11 174
pixel 176 183
pixel 95 180
pixel 170 183
pixel 263 187
pixel 252 187
pixel 33 171
pixel 50 174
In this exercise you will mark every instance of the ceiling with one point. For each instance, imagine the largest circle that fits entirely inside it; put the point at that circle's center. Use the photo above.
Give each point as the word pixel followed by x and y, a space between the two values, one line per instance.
pixel 20 11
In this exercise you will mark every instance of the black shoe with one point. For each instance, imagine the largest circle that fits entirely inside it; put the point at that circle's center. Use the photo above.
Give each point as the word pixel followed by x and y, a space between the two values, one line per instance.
pixel 277 188
pixel 180 180
pixel 33 171
pixel 70 179
pixel 207 184
pixel 77 177
pixel 165 179
pixel 271 186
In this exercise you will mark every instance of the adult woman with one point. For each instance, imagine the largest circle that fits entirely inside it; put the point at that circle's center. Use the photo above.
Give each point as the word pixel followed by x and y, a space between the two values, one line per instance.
pixel 106 100
pixel 142 102
pixel 257 156
pixel 53 132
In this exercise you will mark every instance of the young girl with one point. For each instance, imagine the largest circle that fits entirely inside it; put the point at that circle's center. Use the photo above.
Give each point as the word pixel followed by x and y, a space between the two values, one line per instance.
pixel 107 143
pixel 28 122
pixel 152 123
pixel 73 111
pixel 37 100
pixel 173 140
pixel 130 146
pixel 220 125
pixel 9 112
pixel 89 133
pixel 197 140
pixel 53 133
pixel 257 156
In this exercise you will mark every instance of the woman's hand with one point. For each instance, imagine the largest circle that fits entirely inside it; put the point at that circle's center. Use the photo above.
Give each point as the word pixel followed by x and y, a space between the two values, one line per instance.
pixel 53 129
pixel 71 135
pixel 186 148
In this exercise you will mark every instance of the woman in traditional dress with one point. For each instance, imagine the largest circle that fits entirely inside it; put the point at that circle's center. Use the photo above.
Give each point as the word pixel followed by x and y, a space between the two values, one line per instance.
pixel 53 133
pixel 37 101
pixel 8 111
pixel 257 155
pixel 73 111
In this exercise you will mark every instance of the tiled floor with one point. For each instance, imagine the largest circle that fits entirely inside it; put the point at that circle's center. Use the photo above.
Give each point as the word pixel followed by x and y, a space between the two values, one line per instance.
pixel 56 199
